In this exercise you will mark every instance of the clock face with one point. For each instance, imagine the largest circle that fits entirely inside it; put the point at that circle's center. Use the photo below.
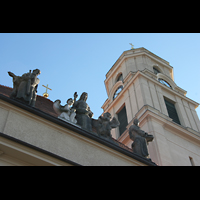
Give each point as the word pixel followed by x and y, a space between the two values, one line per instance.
pixel 164 82
pixel 117 91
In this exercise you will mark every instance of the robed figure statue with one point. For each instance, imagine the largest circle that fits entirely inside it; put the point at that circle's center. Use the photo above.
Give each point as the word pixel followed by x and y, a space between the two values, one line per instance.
pixel 83 112
pixel 25 87
pixel 140 139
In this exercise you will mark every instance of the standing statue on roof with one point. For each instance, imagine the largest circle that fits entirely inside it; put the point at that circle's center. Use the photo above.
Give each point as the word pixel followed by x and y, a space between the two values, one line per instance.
pixel 25 87
pixel 83 112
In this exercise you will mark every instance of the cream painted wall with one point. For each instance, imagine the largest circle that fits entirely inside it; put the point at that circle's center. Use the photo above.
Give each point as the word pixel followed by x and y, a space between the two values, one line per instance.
pixel 134 62
pixel 144 89
pixel 61 141
pixel 172 144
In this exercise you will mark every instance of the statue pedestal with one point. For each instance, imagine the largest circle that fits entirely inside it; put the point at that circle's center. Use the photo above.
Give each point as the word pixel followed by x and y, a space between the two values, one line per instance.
pixel 69 122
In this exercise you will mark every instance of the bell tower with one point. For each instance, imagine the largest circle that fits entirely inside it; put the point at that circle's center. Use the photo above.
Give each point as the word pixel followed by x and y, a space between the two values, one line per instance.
pixel 141 85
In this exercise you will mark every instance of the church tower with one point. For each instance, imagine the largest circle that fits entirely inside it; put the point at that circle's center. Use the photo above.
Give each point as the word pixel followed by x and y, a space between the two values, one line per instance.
pixel 141 85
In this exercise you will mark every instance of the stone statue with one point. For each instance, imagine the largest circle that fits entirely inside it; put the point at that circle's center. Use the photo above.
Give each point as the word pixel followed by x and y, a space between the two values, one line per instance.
pixel 66 113
pixel 83 112
pixel 104 124
pixel 25 87
pixel 140 139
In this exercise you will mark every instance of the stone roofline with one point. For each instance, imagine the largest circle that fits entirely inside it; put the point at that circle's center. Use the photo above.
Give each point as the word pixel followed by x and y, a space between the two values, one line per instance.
pixel 134 52
pixel 120 147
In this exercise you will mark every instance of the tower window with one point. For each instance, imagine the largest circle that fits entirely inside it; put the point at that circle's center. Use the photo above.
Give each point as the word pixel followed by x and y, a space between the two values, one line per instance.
pixel 172 111
pixel 119 78
pixel 122 117
pixel 155 70
pixel 119 89
pixel 164 82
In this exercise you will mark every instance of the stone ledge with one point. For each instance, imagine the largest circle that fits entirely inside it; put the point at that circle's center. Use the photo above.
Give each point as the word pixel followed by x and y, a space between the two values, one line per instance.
pixel 77 130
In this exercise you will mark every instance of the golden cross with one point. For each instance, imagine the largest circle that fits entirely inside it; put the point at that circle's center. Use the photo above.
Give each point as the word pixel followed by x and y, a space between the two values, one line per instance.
pixel 47 88
pixel 131 45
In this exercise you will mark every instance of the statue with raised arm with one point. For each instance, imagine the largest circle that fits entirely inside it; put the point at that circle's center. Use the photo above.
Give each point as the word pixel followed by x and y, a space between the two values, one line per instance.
pixel 25 87
pixel 140 139
pixel 83 112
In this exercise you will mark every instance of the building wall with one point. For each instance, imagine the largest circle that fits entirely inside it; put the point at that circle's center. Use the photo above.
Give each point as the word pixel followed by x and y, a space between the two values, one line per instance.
pixel 13 153
pixel 42 133
pixel 132 61
pixel 142 93
pixel 145 91
pixel 164 152
pixel 173 145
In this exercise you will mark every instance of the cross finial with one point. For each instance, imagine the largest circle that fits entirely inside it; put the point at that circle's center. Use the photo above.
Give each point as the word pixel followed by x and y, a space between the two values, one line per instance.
pixel 47 88
pixel 131 45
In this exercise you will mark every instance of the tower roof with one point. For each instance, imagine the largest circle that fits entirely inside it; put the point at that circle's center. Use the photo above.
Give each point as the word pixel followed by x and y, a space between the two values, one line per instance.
pixel 135 52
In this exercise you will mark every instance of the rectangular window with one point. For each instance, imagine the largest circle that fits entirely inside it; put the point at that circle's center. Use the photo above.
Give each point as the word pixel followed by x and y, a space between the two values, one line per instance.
pixel 172 111
pixel 122 117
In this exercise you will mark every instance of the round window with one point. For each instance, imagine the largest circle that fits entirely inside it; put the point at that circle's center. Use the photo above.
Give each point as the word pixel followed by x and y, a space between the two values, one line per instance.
pixel 119 89
pixel 164 82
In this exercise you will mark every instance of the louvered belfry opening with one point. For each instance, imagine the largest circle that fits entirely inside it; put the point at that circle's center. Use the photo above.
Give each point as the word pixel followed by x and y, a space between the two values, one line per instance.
pixel 122 117
pixel 172 111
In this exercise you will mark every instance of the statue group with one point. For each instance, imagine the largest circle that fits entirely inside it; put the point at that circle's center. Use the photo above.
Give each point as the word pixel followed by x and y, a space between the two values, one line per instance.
pixel 78 112
pixel 75 111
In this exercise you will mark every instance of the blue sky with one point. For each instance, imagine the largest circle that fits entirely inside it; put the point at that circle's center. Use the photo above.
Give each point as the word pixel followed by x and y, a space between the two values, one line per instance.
pixel 72 62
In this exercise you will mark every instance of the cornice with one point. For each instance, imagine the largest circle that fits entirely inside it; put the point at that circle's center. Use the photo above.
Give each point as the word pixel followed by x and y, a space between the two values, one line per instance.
pixel 177 91
pixel 148 112
pixel 168 123
pixel 75 129
pixel 172 83
pixel 37 149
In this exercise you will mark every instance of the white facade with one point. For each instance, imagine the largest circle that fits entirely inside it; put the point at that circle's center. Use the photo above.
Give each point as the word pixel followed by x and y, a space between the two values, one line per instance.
pixel 143 96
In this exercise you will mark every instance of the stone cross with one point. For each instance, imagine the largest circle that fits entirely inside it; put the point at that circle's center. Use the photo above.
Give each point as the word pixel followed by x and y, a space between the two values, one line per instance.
pixel 47 88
